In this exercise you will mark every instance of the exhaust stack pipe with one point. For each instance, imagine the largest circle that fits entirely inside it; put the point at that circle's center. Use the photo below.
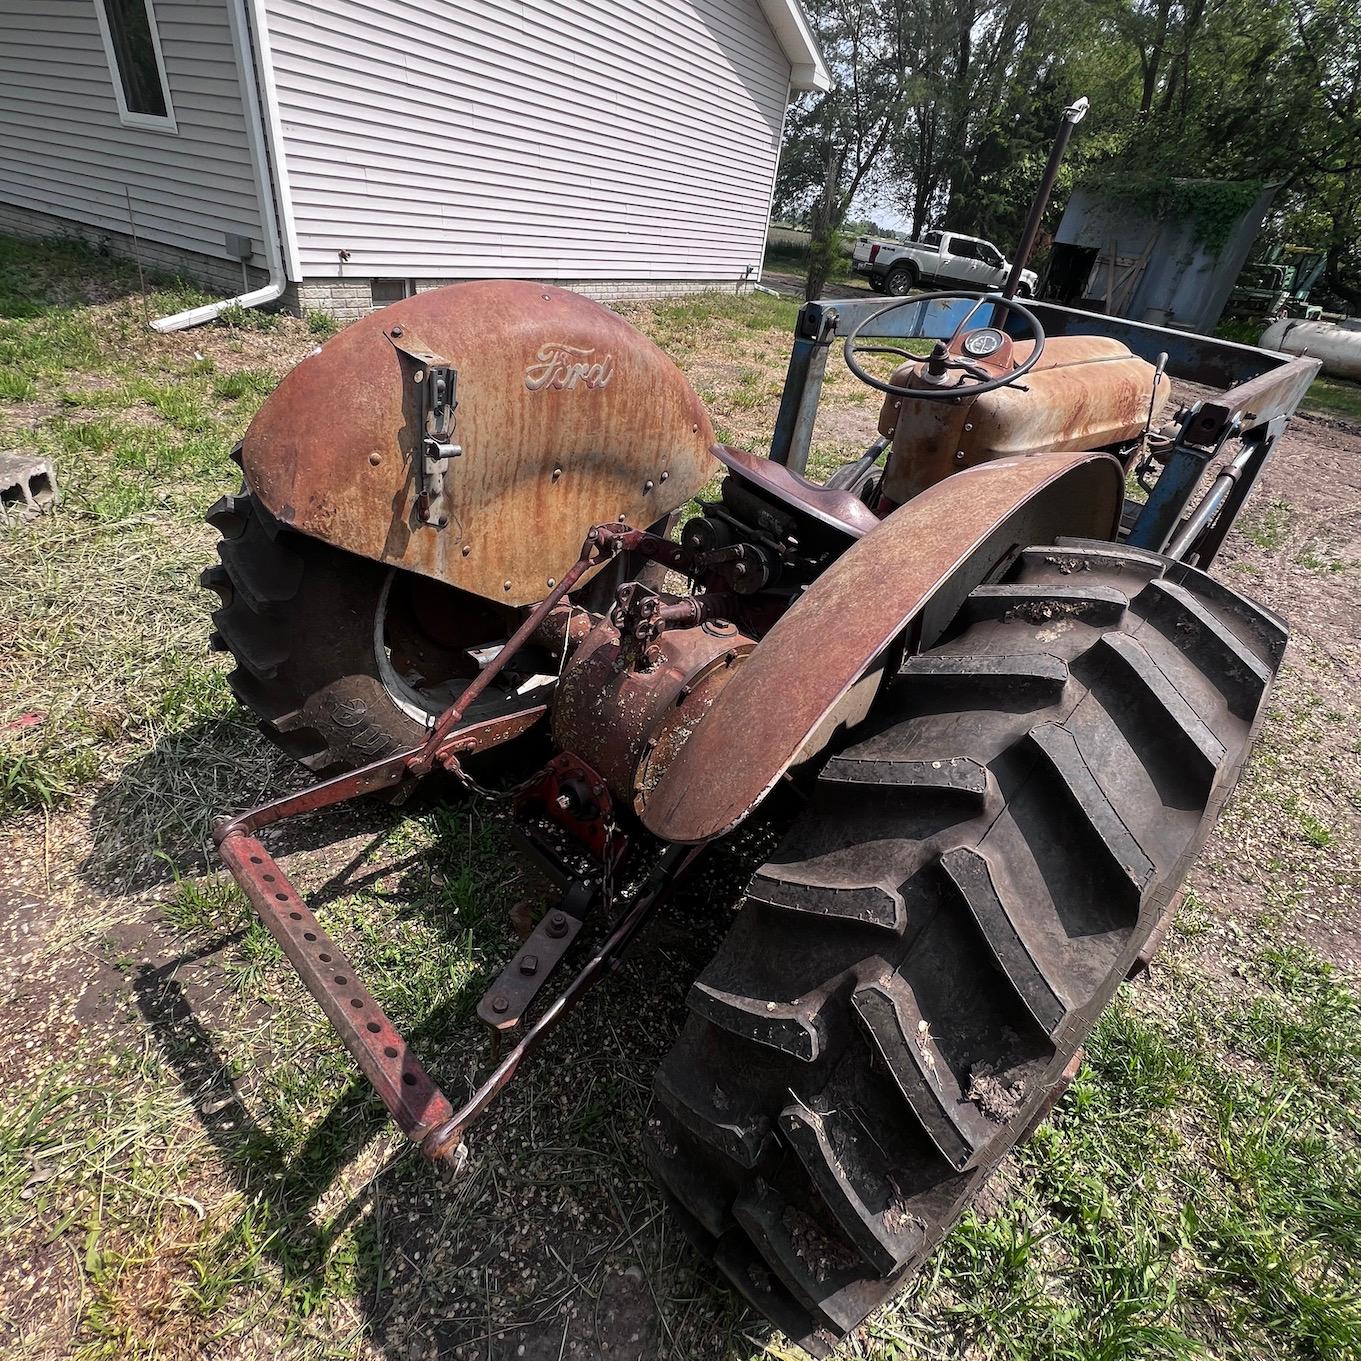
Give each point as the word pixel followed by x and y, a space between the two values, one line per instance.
pixel 1072 116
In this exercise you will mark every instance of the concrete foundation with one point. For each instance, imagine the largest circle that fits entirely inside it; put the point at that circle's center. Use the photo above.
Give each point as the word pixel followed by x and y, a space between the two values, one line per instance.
pixel 222 276
pixel 344 299
pixel 349 299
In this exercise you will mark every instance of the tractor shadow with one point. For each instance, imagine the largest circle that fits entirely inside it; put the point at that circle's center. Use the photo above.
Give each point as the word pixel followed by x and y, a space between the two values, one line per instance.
pixel 153 825
pixel 551 1242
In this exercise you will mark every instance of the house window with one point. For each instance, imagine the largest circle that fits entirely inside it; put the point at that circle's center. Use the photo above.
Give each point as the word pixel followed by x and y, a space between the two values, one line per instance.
pixel 133 48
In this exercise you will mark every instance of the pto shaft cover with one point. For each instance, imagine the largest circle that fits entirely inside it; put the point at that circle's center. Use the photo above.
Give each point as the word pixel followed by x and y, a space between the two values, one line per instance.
pixel 552 414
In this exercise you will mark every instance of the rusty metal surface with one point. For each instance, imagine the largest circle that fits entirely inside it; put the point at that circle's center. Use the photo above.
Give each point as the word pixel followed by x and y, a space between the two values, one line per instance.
pixel 413 1100
pixel 840 509
pixel 1259 400
pixel 566 416
pixel 1086 392
pixel 574 795
pixel 380 774
pixel 506 1001
pixel 629 720
pixel 907 576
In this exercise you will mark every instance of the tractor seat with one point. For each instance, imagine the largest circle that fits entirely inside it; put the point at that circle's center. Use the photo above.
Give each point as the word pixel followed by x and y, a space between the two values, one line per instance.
pixel 841 510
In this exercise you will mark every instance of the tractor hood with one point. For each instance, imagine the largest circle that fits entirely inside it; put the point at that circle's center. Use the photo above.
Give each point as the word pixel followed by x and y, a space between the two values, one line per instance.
pixel 566 416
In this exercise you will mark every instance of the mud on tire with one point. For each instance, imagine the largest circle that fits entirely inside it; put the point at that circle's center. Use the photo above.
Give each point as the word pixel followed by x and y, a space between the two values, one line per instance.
pixel 973 876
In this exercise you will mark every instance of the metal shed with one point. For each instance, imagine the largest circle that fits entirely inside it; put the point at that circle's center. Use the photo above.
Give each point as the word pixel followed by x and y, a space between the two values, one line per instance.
pixel 1111 255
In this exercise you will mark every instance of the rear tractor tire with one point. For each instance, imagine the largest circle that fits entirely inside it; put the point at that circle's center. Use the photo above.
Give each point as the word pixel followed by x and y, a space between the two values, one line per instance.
pixel 911 977
pixel 304 623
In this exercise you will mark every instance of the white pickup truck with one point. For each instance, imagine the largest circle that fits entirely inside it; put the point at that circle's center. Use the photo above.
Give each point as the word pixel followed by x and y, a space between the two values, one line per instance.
pixel 938 260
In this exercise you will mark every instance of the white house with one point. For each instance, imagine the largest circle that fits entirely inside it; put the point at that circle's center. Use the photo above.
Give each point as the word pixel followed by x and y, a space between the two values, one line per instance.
pixel 343 154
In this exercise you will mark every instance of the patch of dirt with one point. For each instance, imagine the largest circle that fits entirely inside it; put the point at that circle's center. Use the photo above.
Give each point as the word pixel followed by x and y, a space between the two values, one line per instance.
pixel 790 285
pixel 822 1255
pixel 1305 564
pixel 996 1095
pixel 16 417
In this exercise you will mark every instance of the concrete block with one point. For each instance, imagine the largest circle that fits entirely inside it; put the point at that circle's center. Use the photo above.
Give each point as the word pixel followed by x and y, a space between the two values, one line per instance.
pixel 28 486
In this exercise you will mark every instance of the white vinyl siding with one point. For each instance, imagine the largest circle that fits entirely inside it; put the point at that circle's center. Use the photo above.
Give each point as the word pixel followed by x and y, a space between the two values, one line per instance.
pixel 64 150
pixel 599 139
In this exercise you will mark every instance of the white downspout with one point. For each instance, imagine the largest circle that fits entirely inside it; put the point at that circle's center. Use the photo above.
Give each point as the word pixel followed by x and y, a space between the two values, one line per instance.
pixel 264 186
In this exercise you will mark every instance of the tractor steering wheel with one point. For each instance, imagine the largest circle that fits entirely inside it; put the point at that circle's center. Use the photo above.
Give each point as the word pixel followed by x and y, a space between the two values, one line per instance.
pixel 947 354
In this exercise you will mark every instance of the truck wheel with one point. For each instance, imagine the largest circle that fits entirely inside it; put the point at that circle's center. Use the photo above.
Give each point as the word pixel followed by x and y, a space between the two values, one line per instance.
pixel 911 976
pixel 335 654
pixel 1022 289
pixel 901 280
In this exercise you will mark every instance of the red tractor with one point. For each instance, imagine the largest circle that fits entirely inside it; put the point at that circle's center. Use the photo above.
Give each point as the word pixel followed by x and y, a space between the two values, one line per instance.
pixel 1012 700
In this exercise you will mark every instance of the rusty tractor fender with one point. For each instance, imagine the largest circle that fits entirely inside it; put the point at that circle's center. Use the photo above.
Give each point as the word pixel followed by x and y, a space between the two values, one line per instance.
pixel 468 433
pixel 905 579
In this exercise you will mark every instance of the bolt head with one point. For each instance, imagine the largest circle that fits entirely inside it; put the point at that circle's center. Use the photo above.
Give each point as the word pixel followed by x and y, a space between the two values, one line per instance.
pixel 500 1005
pixel 467 548
pixel 375 458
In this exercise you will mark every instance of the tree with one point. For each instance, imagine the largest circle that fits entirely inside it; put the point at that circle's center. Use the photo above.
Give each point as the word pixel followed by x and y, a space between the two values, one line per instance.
pixel 834 140
pixel 1330 38
pixel 950 105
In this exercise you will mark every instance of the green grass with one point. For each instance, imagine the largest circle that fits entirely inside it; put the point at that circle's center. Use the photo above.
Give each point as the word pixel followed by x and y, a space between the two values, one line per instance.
pixel 752 312
pixel 248 319
pixel 1334 397
pixel 790 259
pixel 321 324
pixel 1267 525
pixel 244 383
pixel 40 775
pixel 1240 330
pixel 16 386
pixel 1203 1166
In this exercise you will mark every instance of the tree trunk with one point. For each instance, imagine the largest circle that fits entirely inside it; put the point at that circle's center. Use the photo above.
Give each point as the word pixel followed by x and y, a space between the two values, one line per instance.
pixel 824 227
pixel 1151 58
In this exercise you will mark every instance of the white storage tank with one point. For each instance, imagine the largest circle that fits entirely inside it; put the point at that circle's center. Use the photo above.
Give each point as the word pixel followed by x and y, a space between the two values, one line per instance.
pixel 1339 348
